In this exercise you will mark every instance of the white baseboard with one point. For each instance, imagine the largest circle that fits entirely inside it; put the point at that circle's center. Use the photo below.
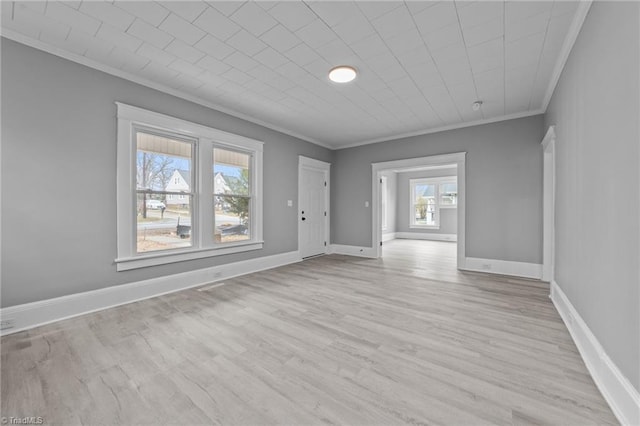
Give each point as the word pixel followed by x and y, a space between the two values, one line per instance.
pixel 389 236
pixel 621 396
pixel 426 236
pixel 352 250
pixel 503 267
pixel 34 314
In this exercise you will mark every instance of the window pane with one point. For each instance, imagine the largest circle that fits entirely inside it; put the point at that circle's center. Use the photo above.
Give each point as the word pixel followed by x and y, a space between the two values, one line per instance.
pixel 162 163
pixel 231 172
pixel 425 211
pixel 232 191
pixel 449 194
pixel 424 190
pixel 165 226
pixel 231 218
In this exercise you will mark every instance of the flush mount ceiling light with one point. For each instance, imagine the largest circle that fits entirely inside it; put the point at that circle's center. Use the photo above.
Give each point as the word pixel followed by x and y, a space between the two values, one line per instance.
pixel 476 105
pixel 342 74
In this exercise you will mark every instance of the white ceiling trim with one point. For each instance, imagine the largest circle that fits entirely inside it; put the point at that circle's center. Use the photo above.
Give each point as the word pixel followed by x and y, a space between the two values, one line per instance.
pixel 567 46
pixel 37 44
pixel 449 127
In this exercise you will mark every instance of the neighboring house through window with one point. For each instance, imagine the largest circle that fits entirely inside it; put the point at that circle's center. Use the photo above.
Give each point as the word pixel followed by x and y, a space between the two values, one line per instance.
pixel 428 196
pixel 198 190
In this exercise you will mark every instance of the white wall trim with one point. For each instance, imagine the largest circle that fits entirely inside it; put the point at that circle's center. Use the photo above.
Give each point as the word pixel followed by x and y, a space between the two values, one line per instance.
pixel 549 137
pixel 548 204
pixel 352 250
pixel 619 393
pixel 426 236
pixel 82 60
pixel 389 236
pixel 503 267
pixel 30 315
pixel 565 51
pixel 445 128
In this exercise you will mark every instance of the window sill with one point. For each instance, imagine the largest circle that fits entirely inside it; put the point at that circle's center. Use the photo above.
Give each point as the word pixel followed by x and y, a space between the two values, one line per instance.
pixel 424 226
pixel 163 258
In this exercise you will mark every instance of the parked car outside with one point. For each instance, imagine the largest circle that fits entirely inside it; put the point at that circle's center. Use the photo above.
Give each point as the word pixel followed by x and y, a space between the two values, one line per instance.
pixel 155 205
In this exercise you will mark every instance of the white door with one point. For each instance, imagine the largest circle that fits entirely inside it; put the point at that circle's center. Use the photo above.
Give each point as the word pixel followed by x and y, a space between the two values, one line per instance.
pixel 313 208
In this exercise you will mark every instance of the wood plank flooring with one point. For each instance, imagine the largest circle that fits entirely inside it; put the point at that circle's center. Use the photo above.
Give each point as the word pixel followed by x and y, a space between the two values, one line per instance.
pixel 406 339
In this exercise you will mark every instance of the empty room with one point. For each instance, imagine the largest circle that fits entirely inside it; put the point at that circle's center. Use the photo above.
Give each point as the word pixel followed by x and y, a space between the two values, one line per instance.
pixel 320 212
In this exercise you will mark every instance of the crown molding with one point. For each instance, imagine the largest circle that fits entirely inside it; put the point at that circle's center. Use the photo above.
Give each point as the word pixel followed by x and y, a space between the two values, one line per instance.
pixel 565 51
pixel 82 60
pixel 445 128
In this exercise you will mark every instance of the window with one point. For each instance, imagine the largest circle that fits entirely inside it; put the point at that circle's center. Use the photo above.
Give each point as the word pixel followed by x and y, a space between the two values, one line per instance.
pixel 383 189
pixel 185 191
pixel 158 216
pixel 427 197
pixel 232 195
pixel 448 194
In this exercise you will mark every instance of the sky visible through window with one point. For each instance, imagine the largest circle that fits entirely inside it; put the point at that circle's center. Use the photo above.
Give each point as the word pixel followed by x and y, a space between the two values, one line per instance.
pixel 227 170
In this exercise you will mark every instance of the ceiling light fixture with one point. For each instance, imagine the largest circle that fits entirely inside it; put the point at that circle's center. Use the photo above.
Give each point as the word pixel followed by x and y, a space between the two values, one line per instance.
pixel 342 74
pixel 476 105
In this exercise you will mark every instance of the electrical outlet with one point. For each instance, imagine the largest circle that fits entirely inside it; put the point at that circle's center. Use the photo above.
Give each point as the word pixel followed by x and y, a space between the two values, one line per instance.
pixel 7 323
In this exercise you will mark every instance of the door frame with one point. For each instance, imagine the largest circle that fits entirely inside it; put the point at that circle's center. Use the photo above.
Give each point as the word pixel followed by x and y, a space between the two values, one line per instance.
pixel 457 158
pixel 548 204
pixel 322 166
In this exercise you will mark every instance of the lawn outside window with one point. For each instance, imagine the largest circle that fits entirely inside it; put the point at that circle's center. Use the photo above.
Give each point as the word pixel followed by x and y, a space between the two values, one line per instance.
pixel 167 171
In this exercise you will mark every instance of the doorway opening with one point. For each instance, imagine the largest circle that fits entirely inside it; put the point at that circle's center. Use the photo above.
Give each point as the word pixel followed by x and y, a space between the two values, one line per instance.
pixel 420 199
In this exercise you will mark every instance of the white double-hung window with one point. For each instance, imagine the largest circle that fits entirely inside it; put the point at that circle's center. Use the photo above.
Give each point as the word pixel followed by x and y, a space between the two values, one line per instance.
pixel 184 191
pixel 427 197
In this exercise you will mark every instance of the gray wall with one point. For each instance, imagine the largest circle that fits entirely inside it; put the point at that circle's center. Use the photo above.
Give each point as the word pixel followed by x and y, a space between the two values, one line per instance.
pixel 392 203
pixel 448 216
pixel 59 176
pixel 595 108
pixel 504 169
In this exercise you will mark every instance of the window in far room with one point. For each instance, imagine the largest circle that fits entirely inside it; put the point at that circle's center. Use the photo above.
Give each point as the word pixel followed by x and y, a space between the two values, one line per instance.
pixel 428 196
pixel 448 194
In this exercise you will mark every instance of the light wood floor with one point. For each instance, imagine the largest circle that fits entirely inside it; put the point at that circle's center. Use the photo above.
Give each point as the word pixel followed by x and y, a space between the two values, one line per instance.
pixel 335 339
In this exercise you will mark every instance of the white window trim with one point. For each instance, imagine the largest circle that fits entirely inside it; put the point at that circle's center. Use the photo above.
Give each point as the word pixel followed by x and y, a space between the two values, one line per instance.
pixel 429 181
pixel 203 240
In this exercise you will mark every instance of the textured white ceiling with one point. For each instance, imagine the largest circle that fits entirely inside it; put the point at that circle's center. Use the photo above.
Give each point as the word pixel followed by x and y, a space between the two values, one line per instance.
pixel 421 64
